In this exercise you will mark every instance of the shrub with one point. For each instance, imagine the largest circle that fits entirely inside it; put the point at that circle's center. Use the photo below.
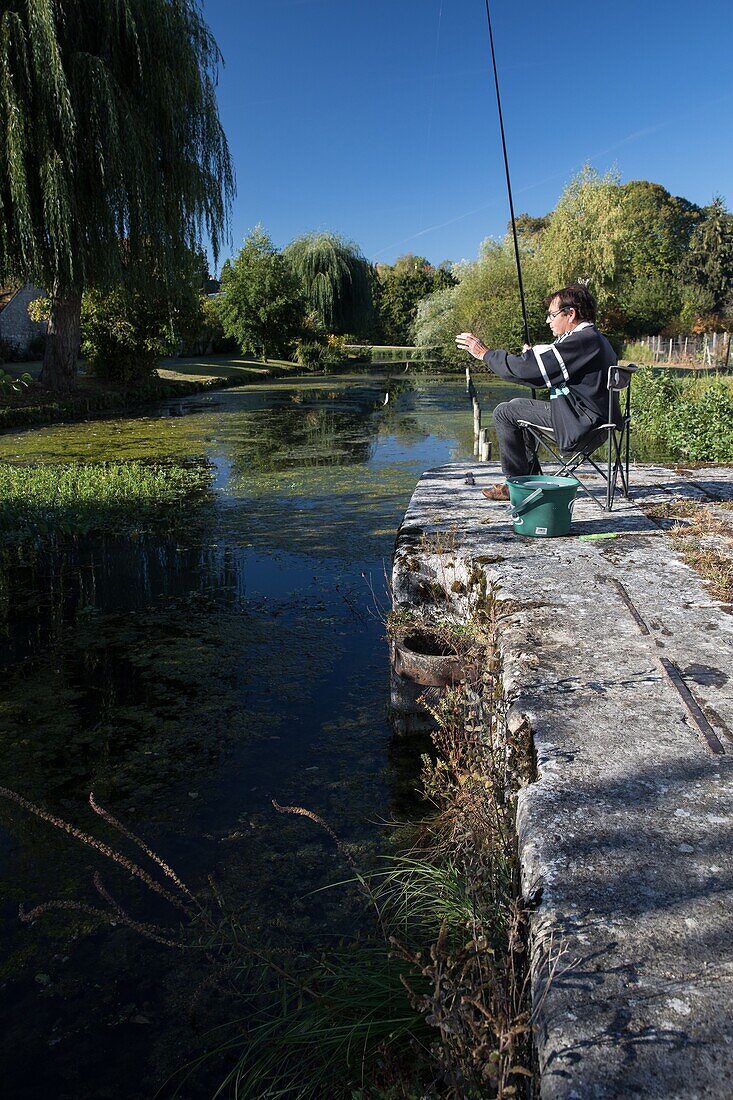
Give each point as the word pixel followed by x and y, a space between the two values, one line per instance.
pixel 9 385
pixel 124 334
pixel 319 354
pixel 701 428
pixel 637 353
pixel 692 416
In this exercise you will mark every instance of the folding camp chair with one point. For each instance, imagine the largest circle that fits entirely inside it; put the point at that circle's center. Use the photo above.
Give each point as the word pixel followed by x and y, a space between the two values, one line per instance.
pixel 615 437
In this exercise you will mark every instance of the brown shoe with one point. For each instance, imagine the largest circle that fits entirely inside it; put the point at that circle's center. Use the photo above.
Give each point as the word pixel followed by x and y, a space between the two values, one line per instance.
pixel 496 492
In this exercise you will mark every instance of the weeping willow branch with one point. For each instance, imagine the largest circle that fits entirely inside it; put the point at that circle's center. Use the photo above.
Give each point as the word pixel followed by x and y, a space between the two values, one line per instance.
pixel 112 135
pixel 336 280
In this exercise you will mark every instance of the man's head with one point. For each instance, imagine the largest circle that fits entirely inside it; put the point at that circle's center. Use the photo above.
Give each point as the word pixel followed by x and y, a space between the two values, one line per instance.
pixel 566 308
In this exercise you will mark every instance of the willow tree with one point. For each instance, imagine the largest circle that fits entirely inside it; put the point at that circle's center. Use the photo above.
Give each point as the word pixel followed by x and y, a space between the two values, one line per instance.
pixel 113 153
pixel 336 281
pixel 585 239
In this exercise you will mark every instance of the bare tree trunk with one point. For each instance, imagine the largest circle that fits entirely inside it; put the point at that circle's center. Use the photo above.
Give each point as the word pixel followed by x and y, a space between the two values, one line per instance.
pixel 63 341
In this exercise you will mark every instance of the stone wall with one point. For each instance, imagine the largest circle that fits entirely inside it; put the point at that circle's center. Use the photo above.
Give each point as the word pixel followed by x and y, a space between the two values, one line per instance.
pixel 615 655
pixel 17 331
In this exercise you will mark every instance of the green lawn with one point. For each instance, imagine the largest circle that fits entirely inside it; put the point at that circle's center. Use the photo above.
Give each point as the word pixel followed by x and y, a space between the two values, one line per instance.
pixel 205 367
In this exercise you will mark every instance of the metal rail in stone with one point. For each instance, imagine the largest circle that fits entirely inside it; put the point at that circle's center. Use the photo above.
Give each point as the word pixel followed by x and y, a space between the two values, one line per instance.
pixel 623 663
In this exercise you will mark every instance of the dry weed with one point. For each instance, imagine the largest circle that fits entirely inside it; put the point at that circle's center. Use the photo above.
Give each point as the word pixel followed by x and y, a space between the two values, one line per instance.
pixel 701 522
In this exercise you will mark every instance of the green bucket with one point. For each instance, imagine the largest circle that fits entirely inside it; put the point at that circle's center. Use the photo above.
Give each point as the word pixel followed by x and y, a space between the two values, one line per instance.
pixel 542 507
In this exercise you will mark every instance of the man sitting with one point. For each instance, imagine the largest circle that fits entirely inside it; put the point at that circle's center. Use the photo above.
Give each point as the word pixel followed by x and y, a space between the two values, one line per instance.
pixel 575 370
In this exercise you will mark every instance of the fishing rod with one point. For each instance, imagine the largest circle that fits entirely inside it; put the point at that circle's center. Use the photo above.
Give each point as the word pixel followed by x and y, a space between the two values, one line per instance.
pixel 508 180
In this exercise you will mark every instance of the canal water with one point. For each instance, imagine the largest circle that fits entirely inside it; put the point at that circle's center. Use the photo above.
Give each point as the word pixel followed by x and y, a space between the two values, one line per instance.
pixel 188 682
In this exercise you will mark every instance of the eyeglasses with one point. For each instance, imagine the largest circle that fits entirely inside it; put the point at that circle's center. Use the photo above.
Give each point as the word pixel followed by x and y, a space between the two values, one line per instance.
pixel 552 316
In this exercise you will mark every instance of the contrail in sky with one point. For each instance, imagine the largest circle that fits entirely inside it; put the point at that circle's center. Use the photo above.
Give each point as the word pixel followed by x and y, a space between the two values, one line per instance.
pixel 635 136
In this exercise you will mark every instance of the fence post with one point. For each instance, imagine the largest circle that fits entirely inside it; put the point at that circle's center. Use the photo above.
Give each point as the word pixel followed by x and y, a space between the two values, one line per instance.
pixel 670 349
pixel 685 355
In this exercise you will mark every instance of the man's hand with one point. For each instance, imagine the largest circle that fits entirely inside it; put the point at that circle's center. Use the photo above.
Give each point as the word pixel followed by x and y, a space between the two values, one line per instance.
pixel 526 348
pixel 470 343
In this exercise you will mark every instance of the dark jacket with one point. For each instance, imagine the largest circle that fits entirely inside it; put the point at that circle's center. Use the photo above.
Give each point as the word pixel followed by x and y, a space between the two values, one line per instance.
pixel 575 370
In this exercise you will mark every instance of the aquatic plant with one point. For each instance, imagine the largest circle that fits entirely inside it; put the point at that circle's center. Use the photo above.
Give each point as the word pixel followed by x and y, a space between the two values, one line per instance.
pixel 435 1002
pixel 177 895
pixel 78 498
pixel 449 909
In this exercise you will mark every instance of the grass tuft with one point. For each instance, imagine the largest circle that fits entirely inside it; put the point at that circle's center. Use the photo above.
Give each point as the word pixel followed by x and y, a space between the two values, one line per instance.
pixel 50 500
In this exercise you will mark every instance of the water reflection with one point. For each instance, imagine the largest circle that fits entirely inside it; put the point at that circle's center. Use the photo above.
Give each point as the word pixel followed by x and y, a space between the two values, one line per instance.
pixel 190 682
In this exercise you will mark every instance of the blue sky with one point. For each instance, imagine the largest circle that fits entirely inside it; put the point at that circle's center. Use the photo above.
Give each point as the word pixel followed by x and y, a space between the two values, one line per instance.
pixel 377 118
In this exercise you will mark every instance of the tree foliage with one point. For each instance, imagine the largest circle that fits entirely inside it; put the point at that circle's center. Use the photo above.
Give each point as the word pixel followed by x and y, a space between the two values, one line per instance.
pixel 656 263
pixel 436 326
pixel 486 301
pixel 709 262
pixel 336 282
pixel 111 135
pixel 261 303
pixel 584 238
pixel 627 241
pixel 400 288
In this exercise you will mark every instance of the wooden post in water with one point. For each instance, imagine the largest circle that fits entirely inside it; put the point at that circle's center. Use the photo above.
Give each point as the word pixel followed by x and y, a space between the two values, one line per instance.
pixel 476 424
pixel 484 445
pixel 468 379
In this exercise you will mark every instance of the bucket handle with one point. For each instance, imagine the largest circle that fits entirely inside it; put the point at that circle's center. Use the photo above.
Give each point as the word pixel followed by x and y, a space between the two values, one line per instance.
pixel 527 503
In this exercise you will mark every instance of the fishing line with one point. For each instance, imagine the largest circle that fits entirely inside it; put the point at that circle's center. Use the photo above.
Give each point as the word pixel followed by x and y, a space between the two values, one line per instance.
pixel 508 179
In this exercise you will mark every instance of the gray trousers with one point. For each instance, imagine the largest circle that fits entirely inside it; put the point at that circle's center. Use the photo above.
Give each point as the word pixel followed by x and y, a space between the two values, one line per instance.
pixel 516 447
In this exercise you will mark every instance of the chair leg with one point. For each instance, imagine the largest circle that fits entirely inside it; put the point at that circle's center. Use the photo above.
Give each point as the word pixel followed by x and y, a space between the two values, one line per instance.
pixel 627 425
pixel 610 480
pixel 568 467
pixel 619 468
pixel 622 468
